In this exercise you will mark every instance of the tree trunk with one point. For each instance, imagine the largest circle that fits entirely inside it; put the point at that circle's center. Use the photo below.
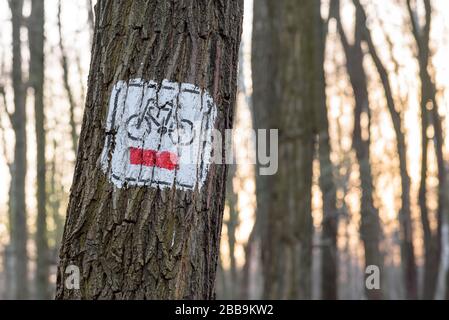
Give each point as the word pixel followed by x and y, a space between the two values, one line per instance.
pixel 20 233
pixel 66 83
pixel 245 284
pixel 36 41
pixel 288 245
pixel 232 224
pixel 263 65
pixel 429 115
pixel 231 196
pixel 10 165
pixel 329 253
pixel 370 228
pixel 138 239
pixel 222 285
pixel 8 270
pixel 405 219
pixel 55 194
pixel 90 19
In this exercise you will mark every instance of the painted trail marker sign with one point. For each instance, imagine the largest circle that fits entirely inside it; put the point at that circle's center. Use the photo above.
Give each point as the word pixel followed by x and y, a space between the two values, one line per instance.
pixel 158 135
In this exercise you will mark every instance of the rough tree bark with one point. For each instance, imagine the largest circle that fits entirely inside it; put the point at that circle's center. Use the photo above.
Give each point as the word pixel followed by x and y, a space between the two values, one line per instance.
pixel 139 242
pixel 287 252
pixel 370 228
pixel 36 42
pixel 405 219
pixel 19 229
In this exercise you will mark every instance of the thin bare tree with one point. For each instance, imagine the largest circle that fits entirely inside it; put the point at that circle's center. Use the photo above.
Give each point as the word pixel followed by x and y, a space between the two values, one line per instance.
pixel 370 229
pixel 36 44
pixel 429 117
pixel 66 82
pixel 18 119
pixel 407 247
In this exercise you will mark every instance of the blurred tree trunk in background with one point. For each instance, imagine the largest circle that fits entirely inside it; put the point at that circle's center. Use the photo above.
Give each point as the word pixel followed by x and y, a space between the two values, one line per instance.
pixel 329 249
pixel 66 83
pixel 232 198
pixel 231 275
pixel 222 285
pixel 289 54
pixel 18 119
pixel 248 277
pixel 263 65
pixel 370 229
pixel 405 219
pixel 231 223
pixel 122 239
pixel 90 19
pixel 232 201
pixel 429 116
pixel 36 43
pixel 8 252
pixel 55 197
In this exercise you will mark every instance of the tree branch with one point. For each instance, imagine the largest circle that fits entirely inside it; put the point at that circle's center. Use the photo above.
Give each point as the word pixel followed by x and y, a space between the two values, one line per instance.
pixel 3 130
pixel 5 105
pixel 344 40
pixel 383 73
pixel 65 69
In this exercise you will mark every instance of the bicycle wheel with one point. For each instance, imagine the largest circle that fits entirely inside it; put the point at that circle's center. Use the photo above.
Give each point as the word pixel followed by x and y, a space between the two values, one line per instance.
pixel 137 128
pixel 184 134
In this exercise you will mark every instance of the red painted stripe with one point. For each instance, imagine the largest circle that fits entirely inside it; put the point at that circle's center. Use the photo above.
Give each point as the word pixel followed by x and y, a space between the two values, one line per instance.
pixel 152 158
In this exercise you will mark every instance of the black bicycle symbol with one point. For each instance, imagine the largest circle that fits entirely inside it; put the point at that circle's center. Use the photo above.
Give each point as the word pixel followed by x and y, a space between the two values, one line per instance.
pixel 180 133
